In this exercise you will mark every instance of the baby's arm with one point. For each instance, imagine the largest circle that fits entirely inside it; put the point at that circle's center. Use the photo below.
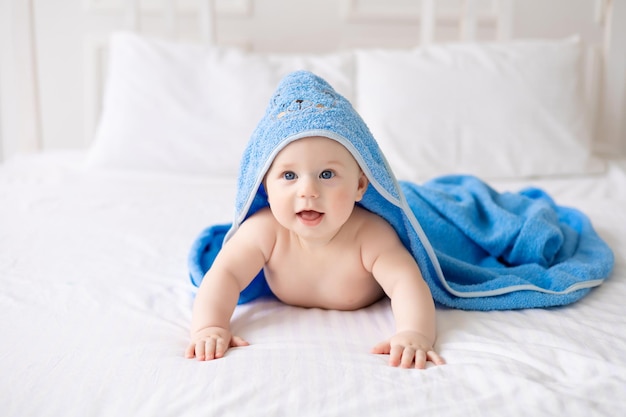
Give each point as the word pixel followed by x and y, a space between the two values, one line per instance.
pixel 398 274
pixel 237 263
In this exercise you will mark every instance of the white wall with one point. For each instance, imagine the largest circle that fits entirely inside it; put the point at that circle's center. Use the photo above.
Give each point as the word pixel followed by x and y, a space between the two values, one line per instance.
pixel 7 81
pixel 19 129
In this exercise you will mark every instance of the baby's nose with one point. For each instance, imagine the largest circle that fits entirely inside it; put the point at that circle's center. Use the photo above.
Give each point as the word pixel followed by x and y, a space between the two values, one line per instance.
pixel 309 188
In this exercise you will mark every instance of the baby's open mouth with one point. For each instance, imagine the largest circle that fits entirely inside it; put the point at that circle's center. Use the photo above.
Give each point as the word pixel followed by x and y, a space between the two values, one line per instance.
pixel 309 216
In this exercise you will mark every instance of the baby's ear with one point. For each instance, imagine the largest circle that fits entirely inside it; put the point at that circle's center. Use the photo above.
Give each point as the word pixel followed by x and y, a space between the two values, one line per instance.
pixel 362 186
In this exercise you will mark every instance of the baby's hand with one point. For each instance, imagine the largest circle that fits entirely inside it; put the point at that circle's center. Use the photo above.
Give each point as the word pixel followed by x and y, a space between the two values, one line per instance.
pixel 212 343
pixel 408 347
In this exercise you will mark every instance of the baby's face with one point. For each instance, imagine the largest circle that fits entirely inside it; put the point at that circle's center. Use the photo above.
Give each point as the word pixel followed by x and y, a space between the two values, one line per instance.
pixel 312 186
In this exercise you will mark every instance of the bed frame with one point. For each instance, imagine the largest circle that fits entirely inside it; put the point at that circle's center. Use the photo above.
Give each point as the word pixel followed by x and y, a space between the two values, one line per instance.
pixel 50 93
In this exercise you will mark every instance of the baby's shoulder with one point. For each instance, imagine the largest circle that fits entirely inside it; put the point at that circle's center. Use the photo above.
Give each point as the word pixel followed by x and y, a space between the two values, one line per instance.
pixel 376 236
pixel 261 223
pixel 371 223
pixel 258 230
pixel 264 214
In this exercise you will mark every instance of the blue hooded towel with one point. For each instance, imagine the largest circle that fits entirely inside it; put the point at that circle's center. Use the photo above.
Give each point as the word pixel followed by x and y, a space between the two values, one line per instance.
pixel 477 249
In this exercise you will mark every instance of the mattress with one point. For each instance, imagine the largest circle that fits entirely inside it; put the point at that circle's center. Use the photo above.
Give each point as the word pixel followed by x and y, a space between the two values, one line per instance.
pixel 96 304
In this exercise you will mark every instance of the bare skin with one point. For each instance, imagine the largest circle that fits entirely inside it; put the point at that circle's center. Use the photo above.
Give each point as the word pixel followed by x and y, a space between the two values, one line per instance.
pixel 318 250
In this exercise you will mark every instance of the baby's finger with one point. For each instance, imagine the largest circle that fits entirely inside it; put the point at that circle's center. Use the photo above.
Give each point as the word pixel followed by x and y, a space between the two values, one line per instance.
pixel 209 349
pixel 395 355
pixel 435 358
pixel 190 352
pixel 407 356
pixel 420 359
pixel 382 348
pixel 237 341
pixel 199 350
pixel 220 348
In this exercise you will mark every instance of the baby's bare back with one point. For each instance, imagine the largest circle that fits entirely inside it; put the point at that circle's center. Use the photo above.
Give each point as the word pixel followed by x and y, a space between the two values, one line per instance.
pixel 334 275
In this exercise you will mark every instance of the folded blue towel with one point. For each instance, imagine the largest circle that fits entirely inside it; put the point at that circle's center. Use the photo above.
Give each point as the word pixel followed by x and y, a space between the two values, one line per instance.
pixel 485 250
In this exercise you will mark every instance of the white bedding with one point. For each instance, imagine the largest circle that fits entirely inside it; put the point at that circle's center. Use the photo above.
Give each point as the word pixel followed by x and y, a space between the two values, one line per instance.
pixel 96 303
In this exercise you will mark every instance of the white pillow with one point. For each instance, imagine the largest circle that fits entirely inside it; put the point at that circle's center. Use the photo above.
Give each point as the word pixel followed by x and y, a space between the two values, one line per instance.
pixel 493 110
pixel 189 108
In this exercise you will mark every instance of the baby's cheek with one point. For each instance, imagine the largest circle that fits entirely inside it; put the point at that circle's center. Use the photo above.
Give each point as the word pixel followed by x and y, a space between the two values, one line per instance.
pixel 343 210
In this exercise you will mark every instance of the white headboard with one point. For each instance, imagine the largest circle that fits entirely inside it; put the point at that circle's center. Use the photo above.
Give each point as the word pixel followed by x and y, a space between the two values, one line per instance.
pixel 52 54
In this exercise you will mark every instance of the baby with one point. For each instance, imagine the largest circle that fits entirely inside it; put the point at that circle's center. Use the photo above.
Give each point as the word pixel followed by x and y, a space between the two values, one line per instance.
pixel 318 249
pixel 308 163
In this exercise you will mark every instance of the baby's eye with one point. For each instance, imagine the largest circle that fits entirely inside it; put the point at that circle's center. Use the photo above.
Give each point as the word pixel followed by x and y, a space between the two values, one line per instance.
pixel 289 175
pixel 327 174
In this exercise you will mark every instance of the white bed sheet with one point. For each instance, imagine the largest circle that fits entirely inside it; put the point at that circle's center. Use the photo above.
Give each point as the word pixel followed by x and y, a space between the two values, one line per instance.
pixel 96 303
